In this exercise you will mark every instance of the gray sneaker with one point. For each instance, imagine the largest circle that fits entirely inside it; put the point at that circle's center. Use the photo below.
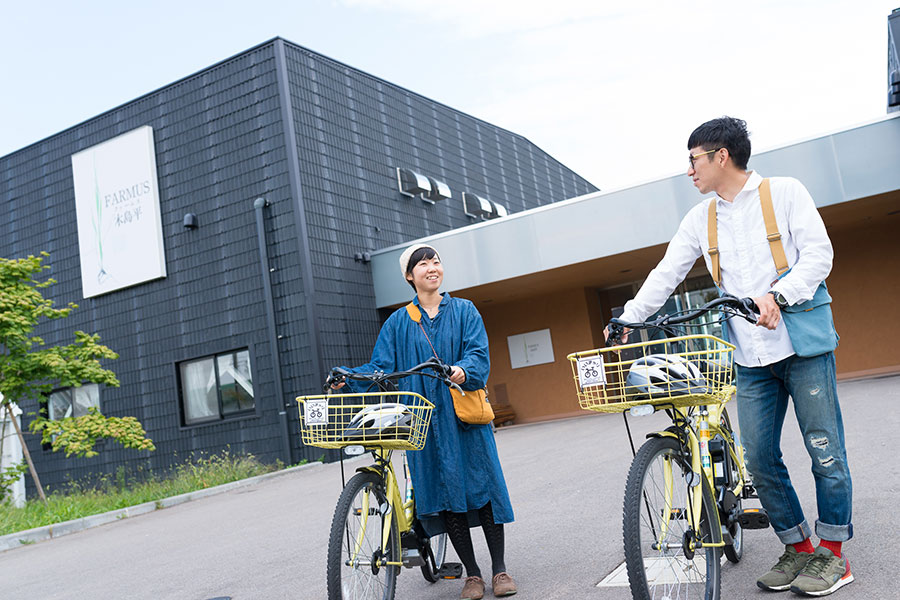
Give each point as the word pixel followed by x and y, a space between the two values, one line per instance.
pixel 824 574
pixel 780 577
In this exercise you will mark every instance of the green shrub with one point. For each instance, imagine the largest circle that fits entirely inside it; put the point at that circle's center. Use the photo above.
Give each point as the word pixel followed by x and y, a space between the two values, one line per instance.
pixel 121 489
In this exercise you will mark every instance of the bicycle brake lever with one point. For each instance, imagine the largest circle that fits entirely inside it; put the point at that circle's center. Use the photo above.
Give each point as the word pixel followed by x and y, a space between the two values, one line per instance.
pixel 750 309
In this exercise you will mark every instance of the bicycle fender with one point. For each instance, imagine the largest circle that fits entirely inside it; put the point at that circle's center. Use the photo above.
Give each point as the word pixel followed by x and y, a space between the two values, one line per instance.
pixel 662 434
pixel 369 469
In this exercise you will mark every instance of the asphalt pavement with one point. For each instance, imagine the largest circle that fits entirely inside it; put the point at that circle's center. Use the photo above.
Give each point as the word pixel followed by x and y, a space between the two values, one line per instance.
pixel 566 480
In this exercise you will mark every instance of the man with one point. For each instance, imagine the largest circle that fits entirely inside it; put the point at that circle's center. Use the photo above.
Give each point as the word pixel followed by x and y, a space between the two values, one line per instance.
pixel 769 370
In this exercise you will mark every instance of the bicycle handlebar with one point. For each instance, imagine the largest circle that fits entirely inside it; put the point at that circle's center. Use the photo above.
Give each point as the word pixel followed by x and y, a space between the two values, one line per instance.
pixel 339 375
pixel 743 307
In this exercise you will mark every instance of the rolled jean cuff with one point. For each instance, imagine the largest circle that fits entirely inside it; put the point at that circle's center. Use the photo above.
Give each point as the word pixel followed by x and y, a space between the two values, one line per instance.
pixel 797 534
pixel 834 533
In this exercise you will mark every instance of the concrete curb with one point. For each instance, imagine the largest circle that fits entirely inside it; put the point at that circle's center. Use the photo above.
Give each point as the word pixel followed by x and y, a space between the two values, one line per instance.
pixel 39 534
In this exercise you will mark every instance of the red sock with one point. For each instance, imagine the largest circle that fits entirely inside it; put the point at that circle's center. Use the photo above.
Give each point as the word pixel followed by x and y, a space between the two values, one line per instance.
pixel 806 546
pixel 835 547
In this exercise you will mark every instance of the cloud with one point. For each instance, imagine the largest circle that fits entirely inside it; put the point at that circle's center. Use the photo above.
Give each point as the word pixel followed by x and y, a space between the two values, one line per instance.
pixel 613 89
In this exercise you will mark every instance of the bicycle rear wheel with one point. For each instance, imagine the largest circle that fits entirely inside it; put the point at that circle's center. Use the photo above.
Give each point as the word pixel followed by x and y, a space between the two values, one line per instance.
pixel 657 528
pixel 356 562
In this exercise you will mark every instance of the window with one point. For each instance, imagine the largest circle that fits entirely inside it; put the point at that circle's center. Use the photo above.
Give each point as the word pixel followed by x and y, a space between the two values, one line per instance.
pixel 216 387
pixel 692 293
pixel 73 401
pixel 69 402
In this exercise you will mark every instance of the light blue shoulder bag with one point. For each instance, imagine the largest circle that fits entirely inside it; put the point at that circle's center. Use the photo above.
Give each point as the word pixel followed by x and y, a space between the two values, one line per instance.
pixel 810 324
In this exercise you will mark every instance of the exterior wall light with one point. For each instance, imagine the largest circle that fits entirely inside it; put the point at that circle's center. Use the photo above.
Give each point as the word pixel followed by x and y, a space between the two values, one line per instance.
pixel 190 221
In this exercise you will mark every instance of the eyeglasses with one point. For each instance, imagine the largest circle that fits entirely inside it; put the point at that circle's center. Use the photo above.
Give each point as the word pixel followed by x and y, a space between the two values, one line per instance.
pixel 693 157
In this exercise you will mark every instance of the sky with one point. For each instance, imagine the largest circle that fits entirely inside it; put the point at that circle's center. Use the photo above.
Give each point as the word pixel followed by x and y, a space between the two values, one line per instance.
pixel 610 89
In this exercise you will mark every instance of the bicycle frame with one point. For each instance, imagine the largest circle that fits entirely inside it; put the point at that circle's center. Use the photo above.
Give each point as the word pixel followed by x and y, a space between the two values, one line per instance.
pixel 701 464
pixel 384 468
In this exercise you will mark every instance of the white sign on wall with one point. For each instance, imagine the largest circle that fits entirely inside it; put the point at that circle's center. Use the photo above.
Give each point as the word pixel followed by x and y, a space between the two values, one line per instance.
pixel 117 208
pixel 528 349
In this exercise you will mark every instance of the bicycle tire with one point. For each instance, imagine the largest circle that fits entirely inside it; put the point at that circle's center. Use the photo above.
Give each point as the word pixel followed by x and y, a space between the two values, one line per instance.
pixel 435 551
pixel 670 572
pixel 354 545
pixel 734 551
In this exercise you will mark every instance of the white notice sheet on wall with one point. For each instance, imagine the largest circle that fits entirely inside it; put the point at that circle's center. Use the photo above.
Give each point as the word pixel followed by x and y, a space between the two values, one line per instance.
pixel 529 349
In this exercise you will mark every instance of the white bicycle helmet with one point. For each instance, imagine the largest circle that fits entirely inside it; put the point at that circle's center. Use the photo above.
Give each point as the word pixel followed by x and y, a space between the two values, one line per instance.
pixel 373 422
pixel 716 369
pixel 662 376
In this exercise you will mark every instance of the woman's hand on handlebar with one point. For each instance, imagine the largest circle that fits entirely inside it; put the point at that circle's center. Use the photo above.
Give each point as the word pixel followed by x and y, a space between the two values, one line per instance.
pixel 457 375
pixel 336 379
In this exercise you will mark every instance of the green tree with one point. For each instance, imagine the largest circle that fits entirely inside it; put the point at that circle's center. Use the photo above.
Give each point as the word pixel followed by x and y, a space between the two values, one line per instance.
pixel 30 369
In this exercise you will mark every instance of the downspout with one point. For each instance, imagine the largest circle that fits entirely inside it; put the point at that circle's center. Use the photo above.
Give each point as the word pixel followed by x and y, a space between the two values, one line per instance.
pixel 287 449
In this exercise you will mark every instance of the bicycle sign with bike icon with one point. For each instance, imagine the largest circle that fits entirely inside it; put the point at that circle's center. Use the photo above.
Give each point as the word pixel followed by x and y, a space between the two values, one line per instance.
pixel 317 412
pixel 591 371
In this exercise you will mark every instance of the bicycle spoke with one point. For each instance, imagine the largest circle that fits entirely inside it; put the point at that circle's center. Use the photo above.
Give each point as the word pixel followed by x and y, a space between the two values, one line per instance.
pixel 356 566
pixel 657 523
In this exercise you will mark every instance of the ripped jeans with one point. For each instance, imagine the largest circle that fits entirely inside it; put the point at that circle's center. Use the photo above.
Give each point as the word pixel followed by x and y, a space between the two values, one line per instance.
pixel 762 401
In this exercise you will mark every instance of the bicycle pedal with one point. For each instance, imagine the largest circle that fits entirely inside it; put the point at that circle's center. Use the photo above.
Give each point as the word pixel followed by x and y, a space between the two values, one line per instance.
pixel 753 518
pixel 411 558
pixel 450 571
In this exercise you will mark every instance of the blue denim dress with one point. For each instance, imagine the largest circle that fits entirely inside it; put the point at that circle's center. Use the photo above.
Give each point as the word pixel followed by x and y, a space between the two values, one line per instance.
pixel 458 470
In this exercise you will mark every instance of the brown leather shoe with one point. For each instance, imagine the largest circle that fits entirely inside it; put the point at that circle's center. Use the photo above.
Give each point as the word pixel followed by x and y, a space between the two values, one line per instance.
pixel 503 585
pixel 474 588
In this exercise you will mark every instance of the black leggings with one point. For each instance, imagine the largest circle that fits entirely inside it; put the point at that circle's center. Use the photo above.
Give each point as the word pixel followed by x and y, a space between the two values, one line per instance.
pixel 458 532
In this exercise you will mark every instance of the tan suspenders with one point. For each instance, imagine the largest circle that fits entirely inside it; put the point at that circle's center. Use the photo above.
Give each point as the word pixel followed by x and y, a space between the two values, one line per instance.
pixel 765 200
pixel 712 232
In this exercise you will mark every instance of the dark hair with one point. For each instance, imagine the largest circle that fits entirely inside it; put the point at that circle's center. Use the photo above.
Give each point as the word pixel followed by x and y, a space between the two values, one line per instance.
pixel 418 256
pixel 725 132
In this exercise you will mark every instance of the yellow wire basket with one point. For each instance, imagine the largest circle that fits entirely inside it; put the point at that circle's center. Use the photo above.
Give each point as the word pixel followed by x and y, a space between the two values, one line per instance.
pixel 681 371
pixel 390 420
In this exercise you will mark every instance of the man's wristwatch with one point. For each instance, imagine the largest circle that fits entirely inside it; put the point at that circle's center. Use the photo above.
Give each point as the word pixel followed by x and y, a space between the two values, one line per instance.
pixel 780 300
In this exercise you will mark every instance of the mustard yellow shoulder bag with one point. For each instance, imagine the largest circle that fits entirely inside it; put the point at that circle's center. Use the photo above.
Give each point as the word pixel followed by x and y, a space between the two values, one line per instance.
pixel 471 407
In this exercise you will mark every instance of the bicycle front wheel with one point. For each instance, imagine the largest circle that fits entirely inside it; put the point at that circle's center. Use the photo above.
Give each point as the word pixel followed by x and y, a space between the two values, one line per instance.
pixel 660 544
pixel 358 566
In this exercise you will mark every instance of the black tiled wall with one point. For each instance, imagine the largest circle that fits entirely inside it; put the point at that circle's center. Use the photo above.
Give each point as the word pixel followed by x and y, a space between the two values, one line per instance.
pixel 220 144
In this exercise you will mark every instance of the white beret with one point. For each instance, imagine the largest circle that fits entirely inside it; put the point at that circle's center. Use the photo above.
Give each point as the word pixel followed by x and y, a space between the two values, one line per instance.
pixel 407 254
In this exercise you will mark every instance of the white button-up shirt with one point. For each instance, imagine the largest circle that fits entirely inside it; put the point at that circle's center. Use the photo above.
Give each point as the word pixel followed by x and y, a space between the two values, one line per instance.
pixel 745 261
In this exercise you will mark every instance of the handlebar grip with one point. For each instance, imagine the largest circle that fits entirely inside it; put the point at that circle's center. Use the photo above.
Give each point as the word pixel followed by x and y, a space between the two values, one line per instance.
pixel 442 368
pixel 750 305
pixel 337 375
pixel 616 329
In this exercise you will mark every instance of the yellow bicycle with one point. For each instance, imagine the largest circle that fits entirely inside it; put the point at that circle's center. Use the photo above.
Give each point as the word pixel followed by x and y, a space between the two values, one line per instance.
pixel 375 529
pixel 684 496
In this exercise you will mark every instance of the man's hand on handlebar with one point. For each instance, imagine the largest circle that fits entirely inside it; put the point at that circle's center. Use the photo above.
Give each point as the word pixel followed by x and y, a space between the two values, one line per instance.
pixel 769 313
pixel 616 333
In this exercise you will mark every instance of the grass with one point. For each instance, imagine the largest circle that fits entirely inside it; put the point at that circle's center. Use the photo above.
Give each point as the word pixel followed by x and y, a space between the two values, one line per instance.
pixel 116 491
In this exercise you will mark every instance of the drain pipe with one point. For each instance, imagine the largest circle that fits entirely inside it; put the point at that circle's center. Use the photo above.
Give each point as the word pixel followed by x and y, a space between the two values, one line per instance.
pixel 259 205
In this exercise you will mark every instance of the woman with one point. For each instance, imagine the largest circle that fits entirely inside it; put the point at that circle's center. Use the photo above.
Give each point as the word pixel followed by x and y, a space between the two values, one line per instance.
pixel 457 476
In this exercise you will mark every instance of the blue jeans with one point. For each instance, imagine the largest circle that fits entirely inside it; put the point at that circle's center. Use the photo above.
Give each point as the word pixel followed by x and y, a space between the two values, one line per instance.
pixel 762 401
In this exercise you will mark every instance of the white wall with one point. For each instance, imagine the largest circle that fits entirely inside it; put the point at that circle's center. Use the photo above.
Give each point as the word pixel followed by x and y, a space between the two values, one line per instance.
pixel 12 451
